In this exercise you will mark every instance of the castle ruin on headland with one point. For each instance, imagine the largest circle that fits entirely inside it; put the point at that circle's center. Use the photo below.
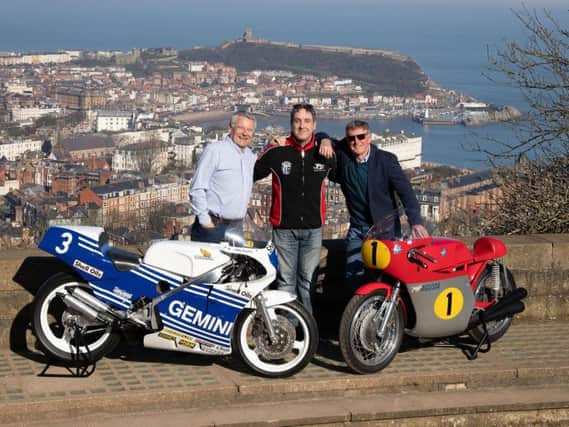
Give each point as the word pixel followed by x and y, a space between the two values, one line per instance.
pixel 248 37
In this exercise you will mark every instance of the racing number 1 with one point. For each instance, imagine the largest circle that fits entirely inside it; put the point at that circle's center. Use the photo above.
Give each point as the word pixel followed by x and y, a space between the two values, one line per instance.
pixel 374 253
pixel 449 303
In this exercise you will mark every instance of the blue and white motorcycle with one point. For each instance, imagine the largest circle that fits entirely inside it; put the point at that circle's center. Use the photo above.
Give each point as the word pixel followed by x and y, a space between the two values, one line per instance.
pixel 182 296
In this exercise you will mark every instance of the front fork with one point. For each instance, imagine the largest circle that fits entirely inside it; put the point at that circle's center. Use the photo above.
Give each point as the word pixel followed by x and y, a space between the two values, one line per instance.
pixel 386 310
pixel 265 316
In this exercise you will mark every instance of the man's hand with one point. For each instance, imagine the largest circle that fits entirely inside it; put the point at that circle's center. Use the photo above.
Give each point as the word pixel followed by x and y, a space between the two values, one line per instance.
pixel 210 225
pixel 326 149
pixel 277 141
pixel 419 232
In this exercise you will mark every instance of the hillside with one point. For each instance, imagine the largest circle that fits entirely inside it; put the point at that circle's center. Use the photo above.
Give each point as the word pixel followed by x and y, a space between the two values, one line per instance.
pixel 386 72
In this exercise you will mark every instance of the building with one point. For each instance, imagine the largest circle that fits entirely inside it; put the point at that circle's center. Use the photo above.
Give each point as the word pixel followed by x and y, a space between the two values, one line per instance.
pixel 70 182
pixel 124 203
pixel 475 193
pixel 429 203
pixel 88 146
pixel 149 157
pixel 114 121
pixel 16 149
pixel 25 114
pixel 407 148
pixel 79 98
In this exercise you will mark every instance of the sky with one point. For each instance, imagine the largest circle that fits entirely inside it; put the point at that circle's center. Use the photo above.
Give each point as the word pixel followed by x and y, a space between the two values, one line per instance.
pixel 36 25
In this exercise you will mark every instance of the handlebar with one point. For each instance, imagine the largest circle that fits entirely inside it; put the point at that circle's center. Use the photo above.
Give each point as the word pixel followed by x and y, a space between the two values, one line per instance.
pixel 413 255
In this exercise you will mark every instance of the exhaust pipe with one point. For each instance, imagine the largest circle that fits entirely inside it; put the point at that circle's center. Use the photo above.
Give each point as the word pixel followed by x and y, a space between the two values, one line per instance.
pixel 508 306
pixel 95 303
pixel 85 310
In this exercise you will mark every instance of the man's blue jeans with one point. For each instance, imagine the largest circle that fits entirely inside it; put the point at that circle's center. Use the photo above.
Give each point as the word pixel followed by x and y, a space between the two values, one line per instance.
pixel 355 269
pixel 299 255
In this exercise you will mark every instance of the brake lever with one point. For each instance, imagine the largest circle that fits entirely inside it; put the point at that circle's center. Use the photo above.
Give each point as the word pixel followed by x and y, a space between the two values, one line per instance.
pixel 411 256
pixel 426 256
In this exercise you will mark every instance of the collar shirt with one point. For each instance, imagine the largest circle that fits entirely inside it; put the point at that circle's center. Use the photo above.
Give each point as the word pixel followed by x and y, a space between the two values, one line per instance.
pixel 223 181
pixel 366 158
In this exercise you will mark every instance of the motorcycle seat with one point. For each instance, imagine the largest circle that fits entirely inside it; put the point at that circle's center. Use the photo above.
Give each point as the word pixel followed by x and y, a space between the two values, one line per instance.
pixel 487 248
pixel 122 259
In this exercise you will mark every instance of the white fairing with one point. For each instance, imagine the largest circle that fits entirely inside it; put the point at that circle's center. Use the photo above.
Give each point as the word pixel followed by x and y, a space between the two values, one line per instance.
pixel 189 259
pixel 86 230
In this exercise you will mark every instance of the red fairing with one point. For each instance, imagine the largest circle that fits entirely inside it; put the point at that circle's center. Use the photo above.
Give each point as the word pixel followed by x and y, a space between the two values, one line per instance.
pixel 368 288
pixel 451 256
pixel 487 248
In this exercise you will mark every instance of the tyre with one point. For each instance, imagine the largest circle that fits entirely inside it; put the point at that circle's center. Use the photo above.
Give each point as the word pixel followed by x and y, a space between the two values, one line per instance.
pixel 54 323
pixel 485 292
pixel 363 350
pixel 297 340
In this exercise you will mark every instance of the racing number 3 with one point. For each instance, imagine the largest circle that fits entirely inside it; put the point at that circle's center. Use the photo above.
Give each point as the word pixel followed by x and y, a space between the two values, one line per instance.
pixel 66 239
pixel 449 303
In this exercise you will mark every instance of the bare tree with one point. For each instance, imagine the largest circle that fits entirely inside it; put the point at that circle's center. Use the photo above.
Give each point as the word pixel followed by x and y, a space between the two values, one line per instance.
pixel 540 68
pixel 536 190
pixel 149 155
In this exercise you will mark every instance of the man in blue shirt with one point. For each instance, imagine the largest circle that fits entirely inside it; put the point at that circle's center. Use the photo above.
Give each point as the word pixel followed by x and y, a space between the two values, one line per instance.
pixel 221 186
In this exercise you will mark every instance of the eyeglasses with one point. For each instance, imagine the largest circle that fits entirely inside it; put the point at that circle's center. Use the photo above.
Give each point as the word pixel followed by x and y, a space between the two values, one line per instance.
pixel 360 137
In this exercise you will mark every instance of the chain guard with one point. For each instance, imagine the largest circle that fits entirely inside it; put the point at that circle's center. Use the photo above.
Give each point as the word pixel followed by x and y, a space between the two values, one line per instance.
pixel 285 337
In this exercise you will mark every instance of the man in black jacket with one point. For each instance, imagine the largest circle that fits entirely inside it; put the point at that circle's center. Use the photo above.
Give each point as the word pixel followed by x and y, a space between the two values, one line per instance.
pixel 298 207
pixel 370 178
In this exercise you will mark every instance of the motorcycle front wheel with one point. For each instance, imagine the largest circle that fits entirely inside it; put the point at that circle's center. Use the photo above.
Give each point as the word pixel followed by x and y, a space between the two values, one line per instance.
pixel 295 344
pixel 363 350
pixel 56 326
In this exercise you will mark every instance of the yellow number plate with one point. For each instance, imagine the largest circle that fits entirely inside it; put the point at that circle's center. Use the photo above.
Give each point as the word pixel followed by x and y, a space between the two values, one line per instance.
pixel 449 303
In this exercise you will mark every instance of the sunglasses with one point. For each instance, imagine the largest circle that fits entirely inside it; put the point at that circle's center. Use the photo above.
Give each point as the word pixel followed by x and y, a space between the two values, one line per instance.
pixel 360 137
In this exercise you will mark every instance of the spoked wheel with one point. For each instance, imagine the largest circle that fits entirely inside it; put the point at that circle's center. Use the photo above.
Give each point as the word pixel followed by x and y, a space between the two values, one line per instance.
pixel 57 327
pixel 295 344
pixel 486 291
pixel 363 350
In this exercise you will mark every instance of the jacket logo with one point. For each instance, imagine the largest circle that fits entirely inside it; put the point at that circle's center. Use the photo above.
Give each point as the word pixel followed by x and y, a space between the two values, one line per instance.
pixel 286 167
pixel 319 167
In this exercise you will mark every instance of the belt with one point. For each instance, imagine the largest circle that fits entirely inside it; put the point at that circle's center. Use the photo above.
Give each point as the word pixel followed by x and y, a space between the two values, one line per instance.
pixel 216 219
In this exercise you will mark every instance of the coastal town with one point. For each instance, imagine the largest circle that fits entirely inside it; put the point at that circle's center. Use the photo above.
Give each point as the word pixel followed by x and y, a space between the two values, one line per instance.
pixel 112 138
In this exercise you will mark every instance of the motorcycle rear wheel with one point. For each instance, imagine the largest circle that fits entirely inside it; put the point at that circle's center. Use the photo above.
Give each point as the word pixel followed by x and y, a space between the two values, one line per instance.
pixel 363 350
pixel 54 334
pixel 297 340
pixel 496 329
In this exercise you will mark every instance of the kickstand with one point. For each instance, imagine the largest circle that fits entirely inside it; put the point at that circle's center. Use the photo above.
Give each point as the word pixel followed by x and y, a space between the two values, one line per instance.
pixel 80 365
pixel 471 352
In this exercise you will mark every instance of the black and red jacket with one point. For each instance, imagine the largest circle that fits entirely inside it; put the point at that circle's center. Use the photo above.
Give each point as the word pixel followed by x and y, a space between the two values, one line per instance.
pixel 298 197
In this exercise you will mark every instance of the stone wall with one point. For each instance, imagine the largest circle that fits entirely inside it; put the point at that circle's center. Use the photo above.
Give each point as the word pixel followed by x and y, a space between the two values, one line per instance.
pixel 540 263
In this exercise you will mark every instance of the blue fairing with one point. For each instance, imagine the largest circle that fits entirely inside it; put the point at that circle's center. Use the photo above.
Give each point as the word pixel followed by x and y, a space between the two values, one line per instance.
pixel 200 310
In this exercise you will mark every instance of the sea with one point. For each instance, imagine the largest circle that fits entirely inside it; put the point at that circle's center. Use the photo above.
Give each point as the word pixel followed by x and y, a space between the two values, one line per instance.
pixel 452 40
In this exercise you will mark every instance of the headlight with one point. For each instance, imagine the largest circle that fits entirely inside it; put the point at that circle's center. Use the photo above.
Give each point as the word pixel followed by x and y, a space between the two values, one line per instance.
pixel 375 254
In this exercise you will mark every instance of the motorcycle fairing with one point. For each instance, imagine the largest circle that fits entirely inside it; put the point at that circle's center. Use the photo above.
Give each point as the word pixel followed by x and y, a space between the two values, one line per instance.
pixel 442 308
pixel 200 311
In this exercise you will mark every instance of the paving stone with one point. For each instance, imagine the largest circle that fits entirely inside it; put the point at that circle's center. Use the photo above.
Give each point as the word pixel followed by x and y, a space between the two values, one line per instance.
pixel 528 353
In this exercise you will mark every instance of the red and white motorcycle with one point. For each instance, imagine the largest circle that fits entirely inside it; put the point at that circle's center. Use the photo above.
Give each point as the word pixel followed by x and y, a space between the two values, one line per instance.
pixel 428 288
